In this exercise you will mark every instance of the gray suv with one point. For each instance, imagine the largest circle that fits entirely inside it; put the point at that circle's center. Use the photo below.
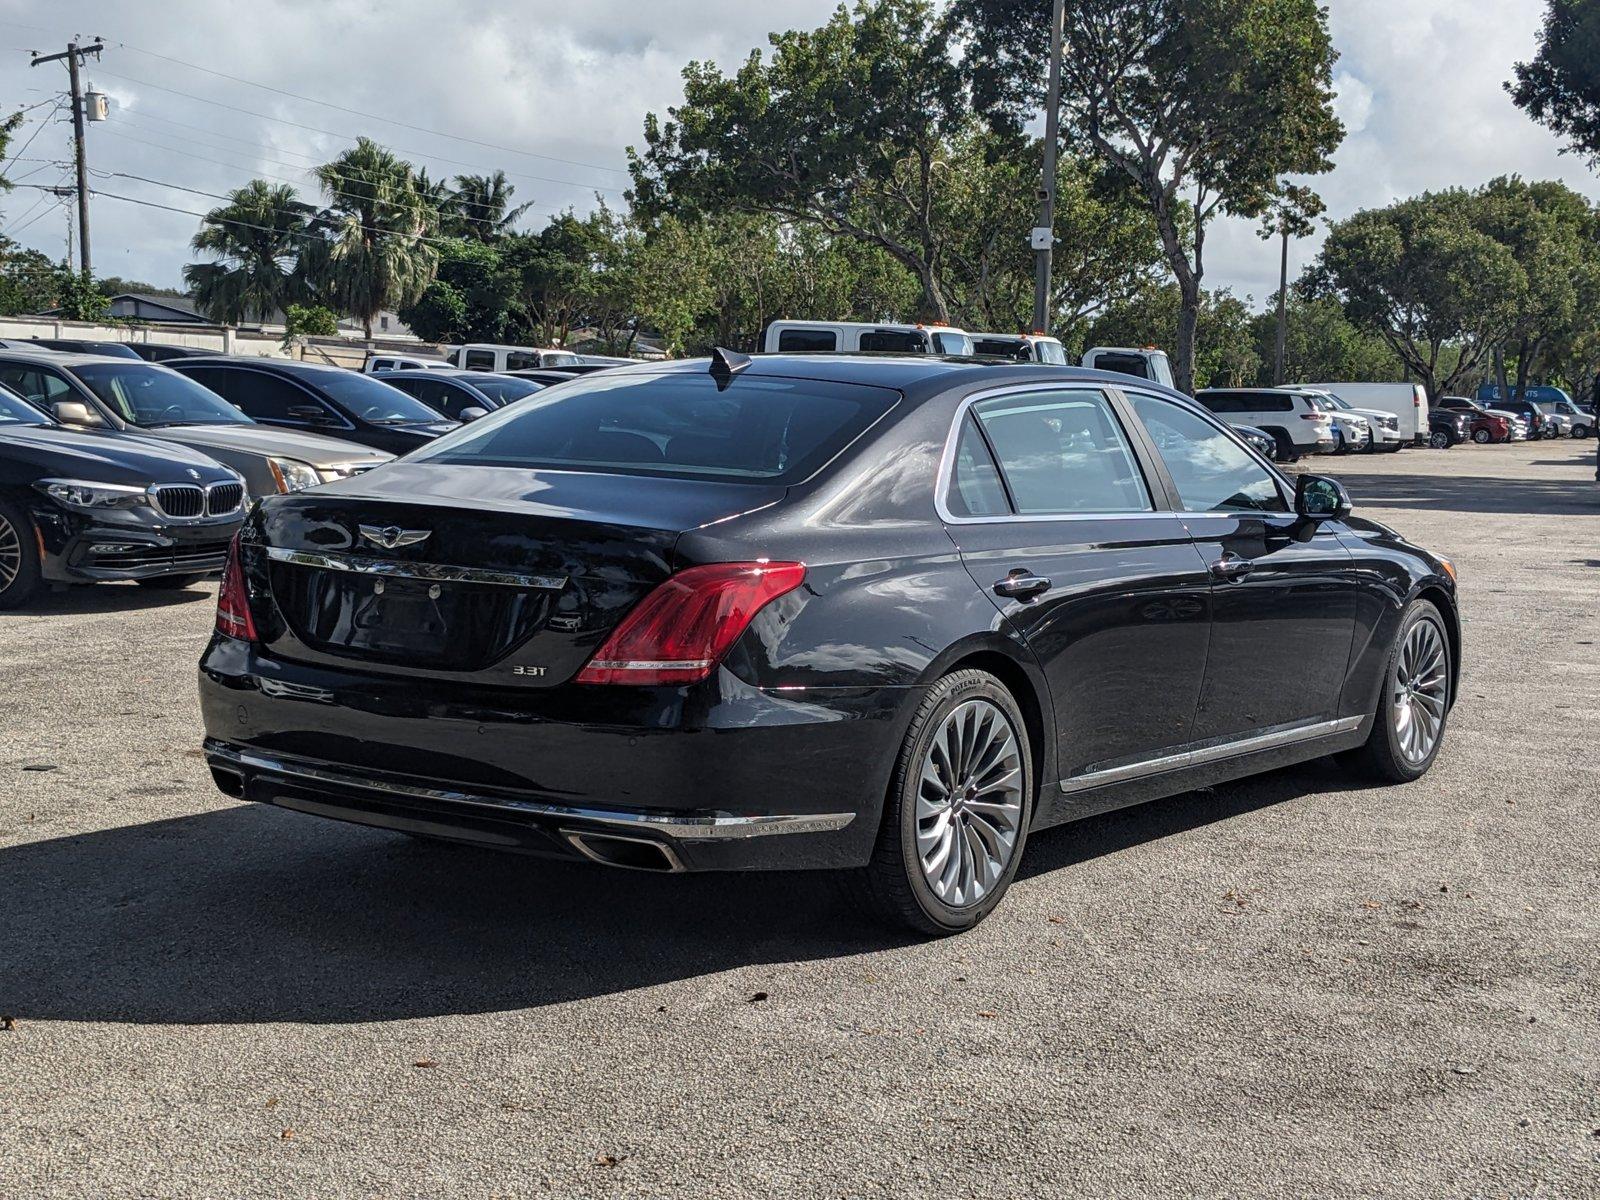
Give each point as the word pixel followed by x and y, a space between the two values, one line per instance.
pixel 121 395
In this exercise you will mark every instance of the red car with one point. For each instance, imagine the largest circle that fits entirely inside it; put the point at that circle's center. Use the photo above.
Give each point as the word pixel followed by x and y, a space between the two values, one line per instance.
pixel 1487 428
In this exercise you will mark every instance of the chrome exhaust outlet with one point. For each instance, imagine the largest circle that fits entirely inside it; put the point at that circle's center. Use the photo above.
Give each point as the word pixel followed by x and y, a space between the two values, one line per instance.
pixel 630 853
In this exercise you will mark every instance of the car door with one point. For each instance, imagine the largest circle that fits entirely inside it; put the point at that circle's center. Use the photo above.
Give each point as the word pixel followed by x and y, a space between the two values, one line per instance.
pixel 1283 592
pixel 1055 519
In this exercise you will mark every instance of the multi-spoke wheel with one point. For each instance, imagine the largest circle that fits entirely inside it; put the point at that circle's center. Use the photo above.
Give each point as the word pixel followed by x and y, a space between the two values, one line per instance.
pixel 958 808
pixel 1415 702
pixel 19 556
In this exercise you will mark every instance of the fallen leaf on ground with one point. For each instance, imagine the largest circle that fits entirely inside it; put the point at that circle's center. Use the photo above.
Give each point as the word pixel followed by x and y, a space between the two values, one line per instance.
pixel 286 1134
pixel 8 1023
pixel 426 1062
pixel 610 1160
pixel 758 997
pixel 984 1012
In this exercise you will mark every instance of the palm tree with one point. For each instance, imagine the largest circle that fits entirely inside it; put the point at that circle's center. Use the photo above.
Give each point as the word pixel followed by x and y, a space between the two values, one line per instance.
pixel 376 251
pixel 481 208
pixel 256 239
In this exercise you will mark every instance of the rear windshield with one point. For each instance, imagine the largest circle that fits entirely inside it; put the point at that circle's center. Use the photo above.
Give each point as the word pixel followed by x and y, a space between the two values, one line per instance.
pixel 759 430
pixel 14 410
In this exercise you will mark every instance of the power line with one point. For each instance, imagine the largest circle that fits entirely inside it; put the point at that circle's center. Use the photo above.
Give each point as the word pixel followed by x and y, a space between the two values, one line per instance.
pixel 45 120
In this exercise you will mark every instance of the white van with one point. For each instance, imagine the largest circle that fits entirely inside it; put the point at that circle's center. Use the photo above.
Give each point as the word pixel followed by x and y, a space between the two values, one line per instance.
pixel 1024 347
pixel 378 363
pixel 861 337
pixel 1406 401
pixel 487 356
pixel 1144 363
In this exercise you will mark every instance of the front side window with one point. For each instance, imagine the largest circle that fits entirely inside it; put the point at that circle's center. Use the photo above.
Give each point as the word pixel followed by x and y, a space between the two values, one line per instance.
pixel 1211 471
pixel 371 399
pixel 1053 353
pixel 150 396
pixel 759 430
pixel 1063 452
pixel 522 360
pixel 1013 348
pixel 504 391
pixel 262 396
pixel 946 342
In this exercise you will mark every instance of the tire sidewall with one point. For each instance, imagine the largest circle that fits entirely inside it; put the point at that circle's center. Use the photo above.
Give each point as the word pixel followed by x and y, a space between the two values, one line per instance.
pixel 957 690
pixel 23 587
pixel 1419 610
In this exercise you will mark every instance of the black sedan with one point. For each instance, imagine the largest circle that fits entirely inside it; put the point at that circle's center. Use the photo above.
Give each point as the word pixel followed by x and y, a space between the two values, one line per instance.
pixel 77 507
pixel 461 395
pixel 319 399
pixel 1259 440
pixel 880 615
pixel 1447 429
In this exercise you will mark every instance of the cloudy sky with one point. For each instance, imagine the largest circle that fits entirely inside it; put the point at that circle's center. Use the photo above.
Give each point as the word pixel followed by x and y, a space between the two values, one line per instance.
pixel 553 93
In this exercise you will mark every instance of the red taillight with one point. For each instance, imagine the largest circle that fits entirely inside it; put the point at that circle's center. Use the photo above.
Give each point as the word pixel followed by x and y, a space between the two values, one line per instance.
pixel 681 630
pixel 233 599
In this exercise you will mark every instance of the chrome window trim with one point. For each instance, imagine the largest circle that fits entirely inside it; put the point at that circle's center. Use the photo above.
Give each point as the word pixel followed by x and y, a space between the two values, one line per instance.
pixel 430 572
pixel 947 460
pixel 1237 747
pixel 703 825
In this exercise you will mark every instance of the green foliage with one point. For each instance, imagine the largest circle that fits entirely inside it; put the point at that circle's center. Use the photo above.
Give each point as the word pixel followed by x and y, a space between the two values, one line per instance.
pixel 309 320
pixel 1560 88
pixel 255 241
pixel 1229 355
pixel 1322 343
pixel 77 296
pixel 481 209
pixel 29 281
pixel 1211 102
pixel 471 298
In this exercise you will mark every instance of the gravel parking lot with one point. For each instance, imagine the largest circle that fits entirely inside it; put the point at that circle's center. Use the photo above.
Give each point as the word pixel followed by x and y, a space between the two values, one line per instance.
pixel 1289 986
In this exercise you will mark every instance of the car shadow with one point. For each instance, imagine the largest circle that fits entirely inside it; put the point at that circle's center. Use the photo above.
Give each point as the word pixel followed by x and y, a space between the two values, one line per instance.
pixel 89 599
pixel 1473 494
pixel 251 914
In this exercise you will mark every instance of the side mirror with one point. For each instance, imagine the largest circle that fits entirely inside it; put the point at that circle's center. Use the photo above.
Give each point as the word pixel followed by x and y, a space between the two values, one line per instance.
pixel 1318 498
pixel 473 413
pixel 73 412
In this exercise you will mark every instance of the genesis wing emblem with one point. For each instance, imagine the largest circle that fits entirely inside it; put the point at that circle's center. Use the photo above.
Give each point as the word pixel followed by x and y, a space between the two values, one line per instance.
pixel 392 537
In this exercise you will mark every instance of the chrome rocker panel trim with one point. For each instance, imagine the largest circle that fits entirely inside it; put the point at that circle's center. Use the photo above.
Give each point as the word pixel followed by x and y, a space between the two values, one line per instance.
pixel 430 572
pixel 692 827
pixel 1271 740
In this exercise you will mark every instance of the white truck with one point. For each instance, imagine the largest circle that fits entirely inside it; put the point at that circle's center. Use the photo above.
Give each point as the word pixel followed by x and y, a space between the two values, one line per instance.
pixel 1144 363
pixel 489 356
pixel 1408 402
pixel 1024 347
pixel 863 337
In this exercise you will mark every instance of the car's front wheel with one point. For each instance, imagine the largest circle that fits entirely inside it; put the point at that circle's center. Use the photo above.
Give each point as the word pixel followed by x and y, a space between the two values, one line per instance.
pixel 19 557
pixel 1440 440
pixel 1482 436
pixel 1414 704
pixel 1580 431
pixel 957 813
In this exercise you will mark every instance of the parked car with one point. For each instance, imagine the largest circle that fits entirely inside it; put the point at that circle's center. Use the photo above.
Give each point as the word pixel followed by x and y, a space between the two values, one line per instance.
pixel 313 398
pixel 863 337
pixel 1352 432
pixel 630 622
pixel 1384 425
pixel 1293 420
pixel 1447 429
pixel 159 352
pixel 117 396
pixel 1146 362
pixel 488 356
pixel 1406 402
pixel 1484 431
pixel 81 346
pixel 1530 413
pixel 79 508
pixel 1023 347
pixel 461 395
pixel 1582 421
pixel 1258 440
pixel 1557 423
pixel 377 364
pixel 543 377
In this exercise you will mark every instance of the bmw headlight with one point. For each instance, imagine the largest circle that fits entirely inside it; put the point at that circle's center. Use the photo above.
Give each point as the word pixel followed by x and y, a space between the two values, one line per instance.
pixel 93 497
pixel 292 475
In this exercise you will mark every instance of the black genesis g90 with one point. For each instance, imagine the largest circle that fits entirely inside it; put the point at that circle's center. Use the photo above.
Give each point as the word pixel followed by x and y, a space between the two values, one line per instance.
pixel 886 616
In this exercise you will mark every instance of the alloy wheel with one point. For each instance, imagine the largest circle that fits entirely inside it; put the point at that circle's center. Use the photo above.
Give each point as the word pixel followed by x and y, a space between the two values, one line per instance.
pixel 1421 683
pixel 10 553
pixel 1483 437
pixel 1439 441
pixel 969 803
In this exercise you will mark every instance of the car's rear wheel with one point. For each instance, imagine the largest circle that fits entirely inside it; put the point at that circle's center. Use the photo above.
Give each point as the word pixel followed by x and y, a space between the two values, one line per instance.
pixel 957 813
pixel 19 557
pixel 1482 436
pixel 1414 705
pixel 1286 451
pixel 172 583
pixel 1580 431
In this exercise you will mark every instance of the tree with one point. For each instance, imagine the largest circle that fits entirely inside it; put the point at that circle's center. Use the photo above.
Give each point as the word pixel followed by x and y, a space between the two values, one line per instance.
pixel 29 280
pixel 1423 276
pixel 309 320
pixel 848 127
pixel 256 240
pixel 1321 343
pixel 1201 103
pixel 1560 88
pixel 1228 355
pixel 481 208
pixel 78 299
pixel 472 297
pixel 376 251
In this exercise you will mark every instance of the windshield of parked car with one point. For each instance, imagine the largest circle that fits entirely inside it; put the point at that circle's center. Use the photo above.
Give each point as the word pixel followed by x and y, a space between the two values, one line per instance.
pixel 372 400
pixel 14 410
pixel 504 391
pixel 757 430
pixel 144 394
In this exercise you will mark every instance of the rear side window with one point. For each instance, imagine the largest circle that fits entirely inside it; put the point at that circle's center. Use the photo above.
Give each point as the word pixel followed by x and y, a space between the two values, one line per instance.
pixel 1063 452
pixel 894 341
pixel 480 360
pixel 1002 348
pixel 1122 364
pixel 759 430
pixel 975 487
pixel 259 395
pixel 522 360
pixel 808 341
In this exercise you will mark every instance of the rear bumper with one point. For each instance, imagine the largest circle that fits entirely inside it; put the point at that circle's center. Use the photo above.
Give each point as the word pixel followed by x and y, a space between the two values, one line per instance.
pixel 725 778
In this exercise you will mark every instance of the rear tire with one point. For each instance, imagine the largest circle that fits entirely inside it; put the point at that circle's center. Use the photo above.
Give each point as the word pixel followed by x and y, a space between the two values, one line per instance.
pixel 1421 651
pixel 956 818
pixel 1580 431
pixel 1286 450
pixel 1482 436
pixel 19 557
pixel 171 583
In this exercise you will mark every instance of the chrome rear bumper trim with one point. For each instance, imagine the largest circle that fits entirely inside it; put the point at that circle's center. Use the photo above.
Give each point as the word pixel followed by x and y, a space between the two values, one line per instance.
pixel 429 572
pixel 693 827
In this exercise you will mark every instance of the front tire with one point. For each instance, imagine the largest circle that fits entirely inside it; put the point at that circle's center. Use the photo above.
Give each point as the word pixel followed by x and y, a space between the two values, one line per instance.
pixel 1580 431
pixel 1482 436
pixel 19 557
pixel 956 817
pixel 1414 706
pixel 1440 440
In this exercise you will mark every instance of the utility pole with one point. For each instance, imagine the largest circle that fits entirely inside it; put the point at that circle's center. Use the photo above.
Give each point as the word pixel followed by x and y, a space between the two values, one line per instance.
pixel 1044 233
pixel 1283 309
pixel 75 57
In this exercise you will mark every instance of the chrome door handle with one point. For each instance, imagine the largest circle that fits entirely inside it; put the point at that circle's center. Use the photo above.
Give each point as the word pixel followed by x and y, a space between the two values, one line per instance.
pixel 1231 568
pixel 1021 585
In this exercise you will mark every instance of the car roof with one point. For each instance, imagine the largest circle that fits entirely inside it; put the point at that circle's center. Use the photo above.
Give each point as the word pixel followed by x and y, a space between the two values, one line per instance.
pixel 458 373
pixel 63 358
pixel 288 366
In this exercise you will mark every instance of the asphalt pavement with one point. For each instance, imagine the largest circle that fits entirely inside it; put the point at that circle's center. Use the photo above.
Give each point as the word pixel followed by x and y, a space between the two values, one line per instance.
pixel 1291 986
